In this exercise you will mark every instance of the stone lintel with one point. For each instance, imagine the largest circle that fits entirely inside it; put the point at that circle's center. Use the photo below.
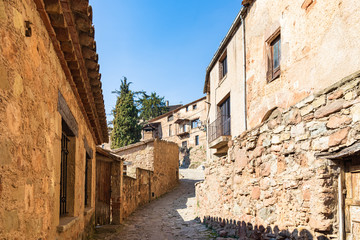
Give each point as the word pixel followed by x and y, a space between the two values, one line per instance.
pixel 344 153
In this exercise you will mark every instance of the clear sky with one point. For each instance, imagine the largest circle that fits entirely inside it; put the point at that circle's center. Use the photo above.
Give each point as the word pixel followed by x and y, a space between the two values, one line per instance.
pixel 159 45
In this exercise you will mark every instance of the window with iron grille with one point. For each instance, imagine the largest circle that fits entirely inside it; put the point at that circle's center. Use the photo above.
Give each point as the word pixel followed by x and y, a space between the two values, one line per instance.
pixel 67 171
pixel 63 174
pixel 87 181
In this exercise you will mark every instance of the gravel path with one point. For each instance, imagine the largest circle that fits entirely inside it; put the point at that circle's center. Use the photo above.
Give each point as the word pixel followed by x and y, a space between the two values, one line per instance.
pixel 171 217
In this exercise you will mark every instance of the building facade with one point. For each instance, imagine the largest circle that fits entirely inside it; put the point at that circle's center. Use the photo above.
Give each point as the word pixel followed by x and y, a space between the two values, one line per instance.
pixel 282 123
pixel 51 118
pixel 284 57
pixel 152 170
pixel 184 126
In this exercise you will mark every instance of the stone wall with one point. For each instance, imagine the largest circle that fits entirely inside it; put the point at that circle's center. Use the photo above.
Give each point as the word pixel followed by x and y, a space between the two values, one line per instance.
pixel 166 167
pixel 193 157
pixel 272 178
pixel 140 155
pixel 153 170
pixel 136 191
pixel 31 77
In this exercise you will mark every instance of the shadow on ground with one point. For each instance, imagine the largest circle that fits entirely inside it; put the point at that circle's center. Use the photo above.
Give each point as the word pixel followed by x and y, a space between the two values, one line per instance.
pixel 170 217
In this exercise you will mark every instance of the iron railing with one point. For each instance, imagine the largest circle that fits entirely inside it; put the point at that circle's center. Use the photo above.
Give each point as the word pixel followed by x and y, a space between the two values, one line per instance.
pixel 220 127
pixel 63 175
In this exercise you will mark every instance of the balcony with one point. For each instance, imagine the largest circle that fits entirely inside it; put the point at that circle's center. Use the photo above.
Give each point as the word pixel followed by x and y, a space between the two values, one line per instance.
pixel 182 132
pixel 220 133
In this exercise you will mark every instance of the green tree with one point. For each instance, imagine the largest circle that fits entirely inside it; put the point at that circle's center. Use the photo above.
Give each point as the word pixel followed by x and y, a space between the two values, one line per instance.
pixel 151 106
pixel 126 128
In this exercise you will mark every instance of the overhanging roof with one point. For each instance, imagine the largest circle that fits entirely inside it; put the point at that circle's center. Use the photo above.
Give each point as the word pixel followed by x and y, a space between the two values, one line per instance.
pixel 233 28
pixel 69 25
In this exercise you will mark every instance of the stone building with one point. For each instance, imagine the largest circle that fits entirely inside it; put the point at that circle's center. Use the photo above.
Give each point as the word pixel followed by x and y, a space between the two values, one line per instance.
pixel 184 126
pixel 51 118
pixel 283 123
pixel 301 34
pixel 152 171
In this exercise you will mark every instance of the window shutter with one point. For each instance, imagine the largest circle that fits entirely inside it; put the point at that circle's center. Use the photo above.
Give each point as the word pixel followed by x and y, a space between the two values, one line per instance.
pixel 269 65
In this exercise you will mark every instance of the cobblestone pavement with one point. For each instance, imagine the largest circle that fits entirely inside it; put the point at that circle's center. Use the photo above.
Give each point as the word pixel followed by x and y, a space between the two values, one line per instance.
pixel 171 217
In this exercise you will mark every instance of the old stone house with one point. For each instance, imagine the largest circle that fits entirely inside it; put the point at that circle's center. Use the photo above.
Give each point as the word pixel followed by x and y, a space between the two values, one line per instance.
pixel 51 118
pixel 283 122
pixel 152 170
pixel 303 35
pixel 184 126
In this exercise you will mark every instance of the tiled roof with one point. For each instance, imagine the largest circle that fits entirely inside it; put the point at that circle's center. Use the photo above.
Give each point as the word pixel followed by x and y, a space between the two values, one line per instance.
pixel 69 24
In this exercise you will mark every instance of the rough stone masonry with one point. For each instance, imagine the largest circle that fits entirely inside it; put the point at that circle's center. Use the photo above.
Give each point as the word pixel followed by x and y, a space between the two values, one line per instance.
pixel 273 179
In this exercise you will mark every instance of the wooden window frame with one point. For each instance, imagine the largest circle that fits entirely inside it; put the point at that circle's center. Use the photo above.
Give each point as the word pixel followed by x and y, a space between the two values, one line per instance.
pixel 271 73
pixel 223 74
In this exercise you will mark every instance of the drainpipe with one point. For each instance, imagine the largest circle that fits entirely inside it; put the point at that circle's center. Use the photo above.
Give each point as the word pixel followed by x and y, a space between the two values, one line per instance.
pixel 244 70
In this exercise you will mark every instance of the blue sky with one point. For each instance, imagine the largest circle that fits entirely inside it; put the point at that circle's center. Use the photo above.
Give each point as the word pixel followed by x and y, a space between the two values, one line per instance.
pixel 159 45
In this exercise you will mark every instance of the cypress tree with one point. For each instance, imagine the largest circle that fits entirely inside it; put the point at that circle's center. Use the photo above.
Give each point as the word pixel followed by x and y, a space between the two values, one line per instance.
pixel 126 128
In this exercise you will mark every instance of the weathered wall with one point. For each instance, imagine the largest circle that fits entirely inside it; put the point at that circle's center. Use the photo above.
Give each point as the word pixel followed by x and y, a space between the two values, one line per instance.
pixel 153 171
pixel 166 167
pixel 314 54
pixel 271 176
pixel 193 157
pixel 136 191
pixel 30 131
pixel 140 155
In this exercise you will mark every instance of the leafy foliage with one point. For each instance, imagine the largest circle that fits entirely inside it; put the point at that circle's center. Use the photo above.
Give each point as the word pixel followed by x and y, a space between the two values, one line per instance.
pixel 151 106
pixel 126 128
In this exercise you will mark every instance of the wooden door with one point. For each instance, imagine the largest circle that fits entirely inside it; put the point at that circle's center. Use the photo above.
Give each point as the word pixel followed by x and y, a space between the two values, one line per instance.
pixel 352 199
pixel 103 192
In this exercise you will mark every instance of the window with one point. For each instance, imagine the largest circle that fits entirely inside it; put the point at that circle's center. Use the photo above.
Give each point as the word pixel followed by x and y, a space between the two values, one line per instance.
pixel 184 128
pixel 197 140
pixel 170 118
pixel 184 144
pixel 223 66
pixel 67 172
pixel 274 56
pixel 170 130
pixel 69 129
pixel 195 123
pixel 194 107
pixel 225 117
pixel 187 108
pixel 63 173
pixel 87 201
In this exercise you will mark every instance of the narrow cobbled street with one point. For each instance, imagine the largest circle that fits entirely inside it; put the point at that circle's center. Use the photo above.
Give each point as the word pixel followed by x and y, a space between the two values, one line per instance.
pixel 170 217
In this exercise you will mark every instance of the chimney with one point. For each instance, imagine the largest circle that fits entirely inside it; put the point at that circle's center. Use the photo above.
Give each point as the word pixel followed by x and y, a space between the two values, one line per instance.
pixel 167 103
